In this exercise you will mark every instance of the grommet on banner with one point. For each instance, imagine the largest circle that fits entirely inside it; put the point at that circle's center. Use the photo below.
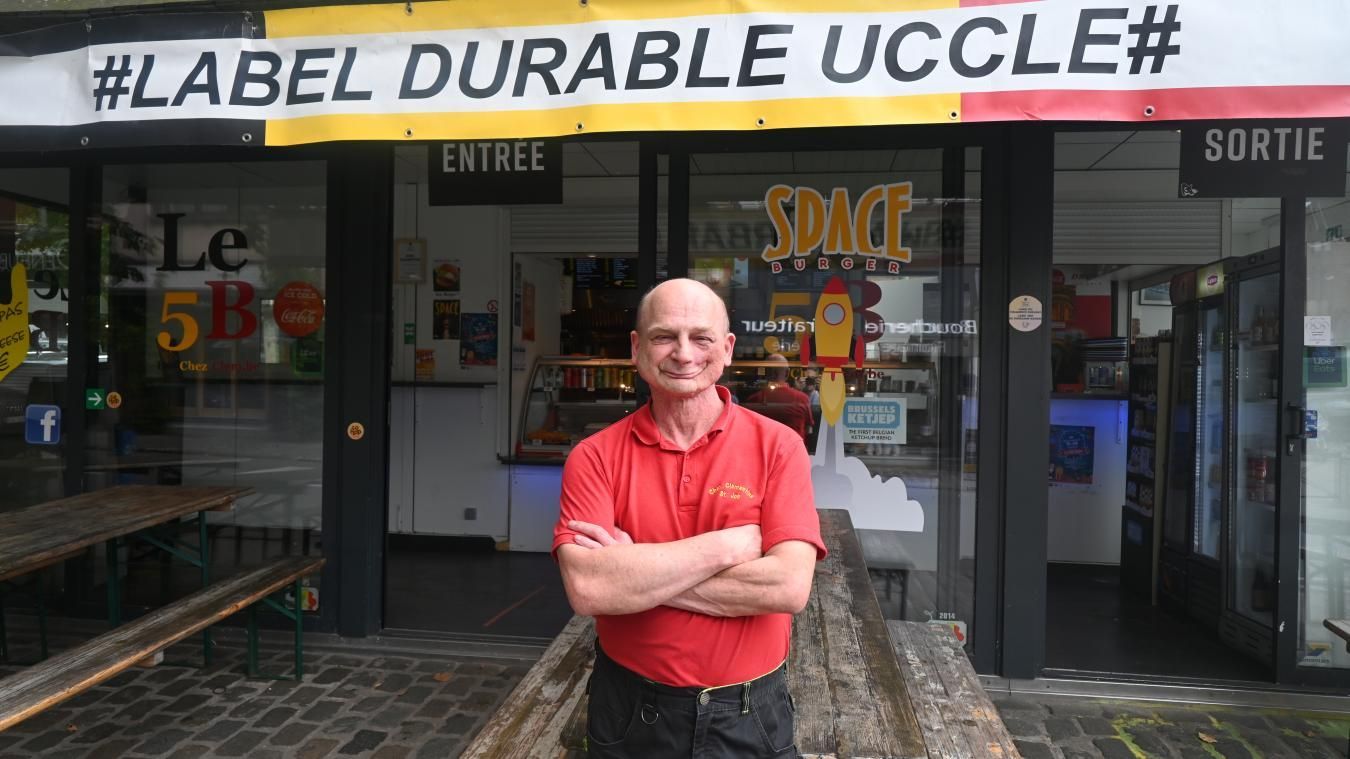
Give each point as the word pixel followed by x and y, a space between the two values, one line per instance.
pixel 954 115
pixel 582 3
pixel 407 8
pixel 408 132
pixel 1149 111
pixel 759 121
pixel 581 127
pixel 84 141
pixel 246 137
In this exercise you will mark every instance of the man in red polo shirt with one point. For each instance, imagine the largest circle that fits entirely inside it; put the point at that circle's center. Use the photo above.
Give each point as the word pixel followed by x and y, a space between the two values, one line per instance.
pixel 778 399
pixel 689 531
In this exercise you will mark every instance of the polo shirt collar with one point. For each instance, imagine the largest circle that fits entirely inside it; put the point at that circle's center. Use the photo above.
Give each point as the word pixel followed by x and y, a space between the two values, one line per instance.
pixel 646 431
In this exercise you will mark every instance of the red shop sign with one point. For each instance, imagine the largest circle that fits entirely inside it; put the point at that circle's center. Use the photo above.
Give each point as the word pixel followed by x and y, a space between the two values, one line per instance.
pixel 298 309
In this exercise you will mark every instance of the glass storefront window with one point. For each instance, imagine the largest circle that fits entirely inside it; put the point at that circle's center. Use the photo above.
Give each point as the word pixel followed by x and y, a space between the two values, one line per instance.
pixel 211 316
pixel 1326 472
pixel 852 286
pixel 34 335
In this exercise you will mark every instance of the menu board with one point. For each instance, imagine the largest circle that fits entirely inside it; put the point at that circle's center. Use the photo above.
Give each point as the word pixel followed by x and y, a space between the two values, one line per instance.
pixel 589 273
pixel 622 272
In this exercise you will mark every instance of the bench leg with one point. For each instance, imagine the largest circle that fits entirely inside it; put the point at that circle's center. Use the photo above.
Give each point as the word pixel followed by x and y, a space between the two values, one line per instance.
pixel 253 641
pixel 299 633
pixel 204 553
pixel 114 585
pixel 42 613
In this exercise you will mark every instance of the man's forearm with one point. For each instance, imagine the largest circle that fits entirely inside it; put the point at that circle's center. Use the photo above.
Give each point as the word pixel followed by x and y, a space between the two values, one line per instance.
pixel 767 585
pixel 629 578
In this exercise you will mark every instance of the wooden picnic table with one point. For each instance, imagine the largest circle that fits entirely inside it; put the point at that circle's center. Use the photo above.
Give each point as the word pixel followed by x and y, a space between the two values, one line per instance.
pixel 38 536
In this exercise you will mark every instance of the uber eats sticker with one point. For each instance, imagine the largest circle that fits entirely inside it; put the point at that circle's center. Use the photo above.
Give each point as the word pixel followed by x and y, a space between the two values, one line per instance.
pixel 14 323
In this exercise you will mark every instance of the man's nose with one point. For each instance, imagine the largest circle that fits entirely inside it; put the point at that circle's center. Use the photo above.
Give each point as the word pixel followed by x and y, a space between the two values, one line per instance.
pixel 683 349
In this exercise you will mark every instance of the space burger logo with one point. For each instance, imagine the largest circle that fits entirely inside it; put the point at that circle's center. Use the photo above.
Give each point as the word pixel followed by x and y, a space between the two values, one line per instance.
pixel 840 229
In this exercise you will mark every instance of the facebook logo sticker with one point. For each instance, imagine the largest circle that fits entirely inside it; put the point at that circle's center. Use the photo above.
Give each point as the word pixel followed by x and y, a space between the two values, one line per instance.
pixel 42 425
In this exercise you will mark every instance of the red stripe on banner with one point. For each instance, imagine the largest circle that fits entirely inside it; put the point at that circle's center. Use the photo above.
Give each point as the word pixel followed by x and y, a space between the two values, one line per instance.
pixel 1168 105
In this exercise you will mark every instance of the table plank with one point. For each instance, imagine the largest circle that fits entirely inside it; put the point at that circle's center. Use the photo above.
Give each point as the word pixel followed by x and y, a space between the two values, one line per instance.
pixel 1340 628
pixel 35 536
pixel 852 698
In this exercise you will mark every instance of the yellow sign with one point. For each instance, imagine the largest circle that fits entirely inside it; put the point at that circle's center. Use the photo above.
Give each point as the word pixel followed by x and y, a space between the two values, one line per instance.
pixel 14 323
pixel 114 399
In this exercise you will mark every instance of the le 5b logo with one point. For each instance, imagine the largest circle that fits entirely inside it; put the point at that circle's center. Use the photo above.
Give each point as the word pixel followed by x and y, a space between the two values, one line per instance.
pixel 223 303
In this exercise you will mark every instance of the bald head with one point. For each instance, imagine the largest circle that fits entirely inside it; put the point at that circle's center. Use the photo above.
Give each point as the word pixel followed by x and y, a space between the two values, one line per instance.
pixel 686 295
pixel 778 367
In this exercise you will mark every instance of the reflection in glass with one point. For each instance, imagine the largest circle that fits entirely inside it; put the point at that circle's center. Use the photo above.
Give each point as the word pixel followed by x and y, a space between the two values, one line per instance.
pixel 870 357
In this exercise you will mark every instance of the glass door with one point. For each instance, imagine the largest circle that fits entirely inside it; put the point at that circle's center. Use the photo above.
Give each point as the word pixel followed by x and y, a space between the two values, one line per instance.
pixel 1255 354
pixel 1324 428
pixel 1208 514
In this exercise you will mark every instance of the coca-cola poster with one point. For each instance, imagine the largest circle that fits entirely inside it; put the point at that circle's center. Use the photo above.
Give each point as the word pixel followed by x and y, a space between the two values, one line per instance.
pixel 298 309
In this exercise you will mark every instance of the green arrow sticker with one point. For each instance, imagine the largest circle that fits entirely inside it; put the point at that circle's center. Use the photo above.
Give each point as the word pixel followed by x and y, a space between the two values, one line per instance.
pixel 95 398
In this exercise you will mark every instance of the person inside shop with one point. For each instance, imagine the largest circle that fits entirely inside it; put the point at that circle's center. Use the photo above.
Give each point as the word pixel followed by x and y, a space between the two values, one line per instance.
pixel 780 400
pixel 689 531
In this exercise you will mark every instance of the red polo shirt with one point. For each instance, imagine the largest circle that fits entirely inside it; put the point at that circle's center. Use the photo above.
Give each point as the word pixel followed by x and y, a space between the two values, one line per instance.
pixel 746 470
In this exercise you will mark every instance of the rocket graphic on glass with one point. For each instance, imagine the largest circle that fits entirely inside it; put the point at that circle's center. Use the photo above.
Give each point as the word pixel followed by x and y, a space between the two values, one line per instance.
pixel 835 345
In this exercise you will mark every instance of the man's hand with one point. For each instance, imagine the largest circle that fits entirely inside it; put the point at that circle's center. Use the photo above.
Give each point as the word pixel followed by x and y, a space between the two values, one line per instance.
pixel 595 536
pixel 743 543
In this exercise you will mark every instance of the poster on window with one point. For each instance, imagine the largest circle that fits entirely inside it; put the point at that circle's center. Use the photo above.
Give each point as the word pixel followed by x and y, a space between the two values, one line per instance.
pixel 527 311
pixel 478 340
pixel 445 276
pixel 1072 449
pixel 445 320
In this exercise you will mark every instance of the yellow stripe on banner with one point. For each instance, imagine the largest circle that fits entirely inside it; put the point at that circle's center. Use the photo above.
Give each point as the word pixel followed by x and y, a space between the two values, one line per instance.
pixel 634 117
pixel 386 18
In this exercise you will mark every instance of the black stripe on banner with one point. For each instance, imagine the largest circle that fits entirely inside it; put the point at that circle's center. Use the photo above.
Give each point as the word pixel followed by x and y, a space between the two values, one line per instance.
pixel 103 30
pixel 150 133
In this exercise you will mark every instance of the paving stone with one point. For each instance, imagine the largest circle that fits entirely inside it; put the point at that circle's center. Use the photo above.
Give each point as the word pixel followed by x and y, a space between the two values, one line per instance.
pixel 363 741
pixel 1113 748
pixel 1021 727
pixel 393 663
pixel 1231 749
pixel 220 683
pixel 242 743
pixel 1096 725
pixel 112 748
pixel 1034 750
pixel 319 747
pixel 138 710
pixel 392 716
pixel 370 703
pixel 203 716
pixel 160 743
pixel 1148 740
pixel 46 741
pixel 457 724
pixel 252 708
pixel 220 730
pixel 96 733
pixel 1060 728
pixel 1188 752
pixel 347 724
pixel 190 751
pixel 305 695
pixel 412 730
pixel 178 687
pixel 330 675
pixel 438 748
pixel 1072 754
pixel 345 661
pixel 415 694
pixel 292 734
pixel 395 682
pixel 323 710
pixel 186 703
pixel 458 686
pixel 392 752
pixel 435 708
pixel 362 679
pixel 1185 716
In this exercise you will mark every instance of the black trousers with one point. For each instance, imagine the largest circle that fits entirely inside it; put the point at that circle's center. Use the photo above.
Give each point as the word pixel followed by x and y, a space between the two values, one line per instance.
pixel 631 716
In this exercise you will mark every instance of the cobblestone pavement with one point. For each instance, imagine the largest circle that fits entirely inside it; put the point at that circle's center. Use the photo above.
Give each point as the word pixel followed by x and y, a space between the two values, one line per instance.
pixel 375 700
pixel 1050 727
pixel 351 704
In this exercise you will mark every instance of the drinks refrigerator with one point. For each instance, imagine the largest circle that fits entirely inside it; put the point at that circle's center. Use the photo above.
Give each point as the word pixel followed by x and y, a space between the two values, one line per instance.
pixel 1217 562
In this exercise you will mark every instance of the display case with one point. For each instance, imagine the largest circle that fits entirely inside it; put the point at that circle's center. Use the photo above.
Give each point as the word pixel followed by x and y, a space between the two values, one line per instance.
pixel 570 398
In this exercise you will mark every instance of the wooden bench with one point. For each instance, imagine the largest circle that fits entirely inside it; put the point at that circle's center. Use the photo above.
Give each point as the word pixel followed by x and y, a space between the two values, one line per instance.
pixel 863 688
pixel 56 679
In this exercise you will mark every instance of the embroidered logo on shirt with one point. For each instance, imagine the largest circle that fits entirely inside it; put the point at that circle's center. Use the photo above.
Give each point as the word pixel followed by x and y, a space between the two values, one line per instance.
pixel 731 490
